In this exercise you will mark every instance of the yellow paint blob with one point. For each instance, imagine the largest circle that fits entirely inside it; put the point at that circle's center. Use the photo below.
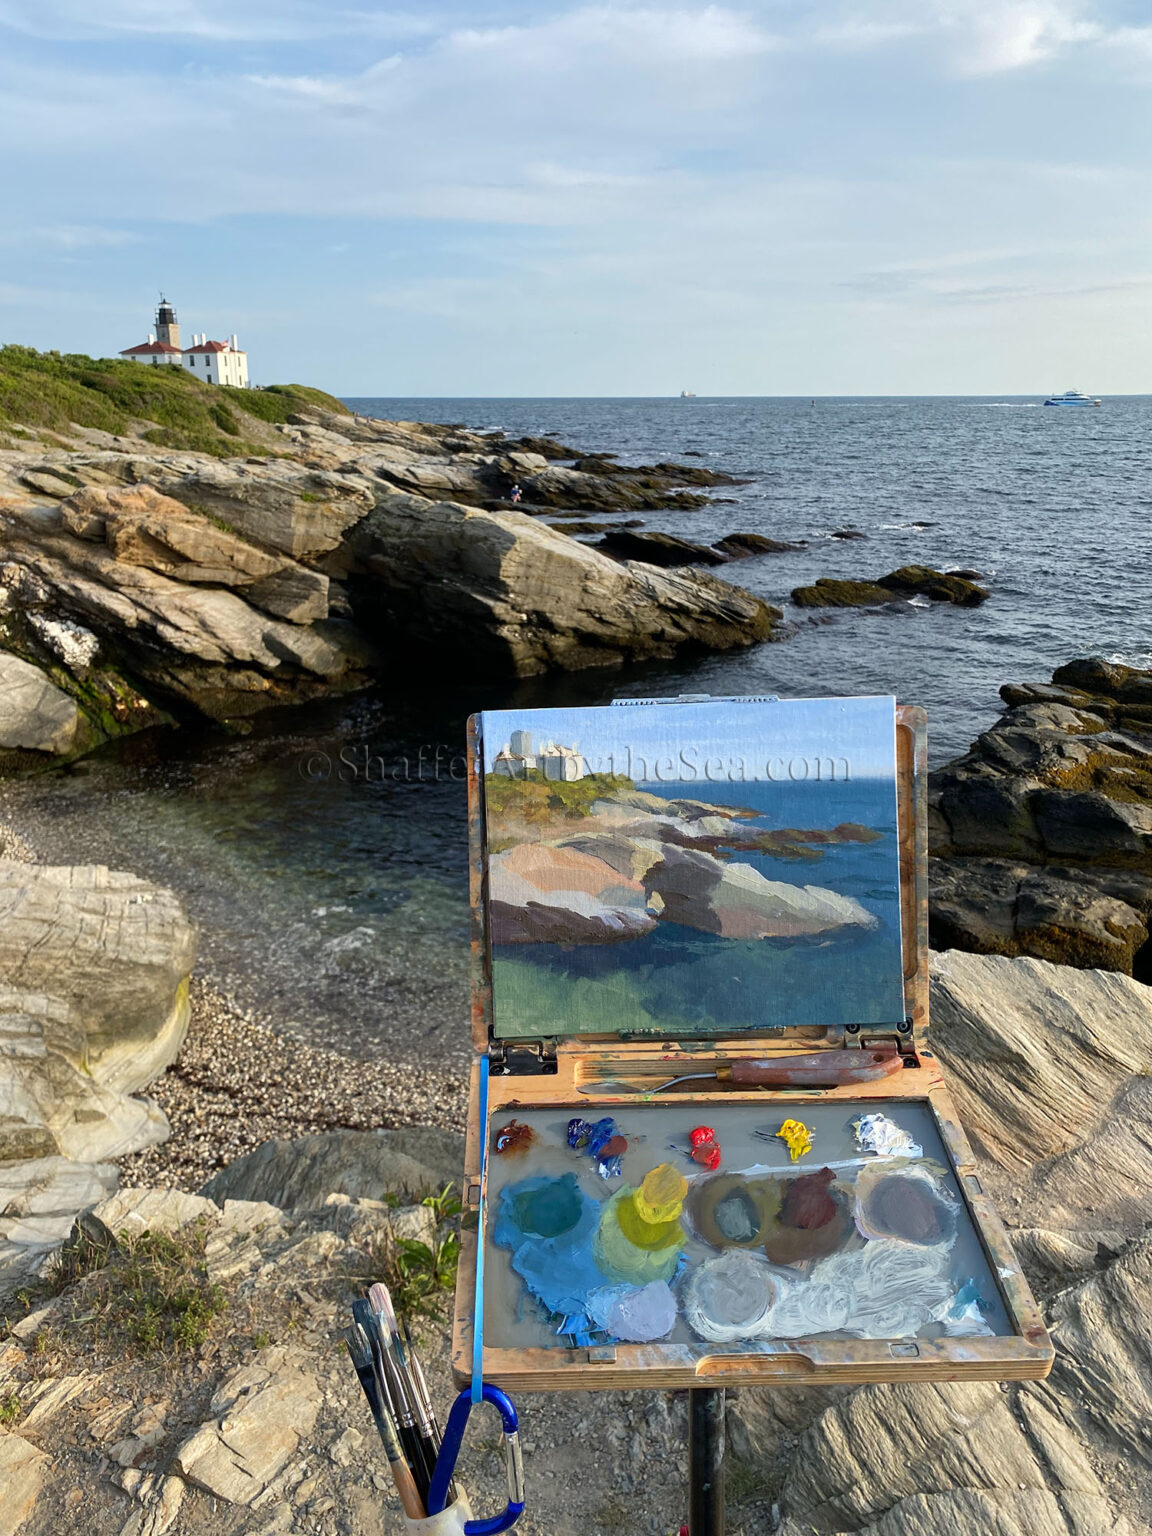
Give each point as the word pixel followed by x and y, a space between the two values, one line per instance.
pixel 629 1249
pixel 797 1138
pixel 661 1194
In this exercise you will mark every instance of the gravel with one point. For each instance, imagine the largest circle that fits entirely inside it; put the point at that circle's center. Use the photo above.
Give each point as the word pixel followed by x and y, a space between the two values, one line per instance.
pixel 236 1084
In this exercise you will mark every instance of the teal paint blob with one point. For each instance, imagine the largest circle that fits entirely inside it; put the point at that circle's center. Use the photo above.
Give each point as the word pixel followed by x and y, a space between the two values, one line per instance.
pixel 551 1208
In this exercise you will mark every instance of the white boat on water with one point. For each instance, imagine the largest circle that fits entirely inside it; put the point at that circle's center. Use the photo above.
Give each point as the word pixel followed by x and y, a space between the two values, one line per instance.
pixel 1071 397
pixel 687 394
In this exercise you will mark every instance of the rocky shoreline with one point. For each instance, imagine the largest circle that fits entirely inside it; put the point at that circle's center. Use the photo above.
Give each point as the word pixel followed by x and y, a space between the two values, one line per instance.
pixel 140 584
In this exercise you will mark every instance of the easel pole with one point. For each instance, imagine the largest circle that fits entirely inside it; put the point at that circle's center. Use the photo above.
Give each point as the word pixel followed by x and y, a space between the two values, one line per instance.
pixel 706 1461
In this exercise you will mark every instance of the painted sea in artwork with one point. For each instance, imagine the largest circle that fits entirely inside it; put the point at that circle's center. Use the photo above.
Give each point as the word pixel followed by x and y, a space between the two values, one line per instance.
pixel 693 868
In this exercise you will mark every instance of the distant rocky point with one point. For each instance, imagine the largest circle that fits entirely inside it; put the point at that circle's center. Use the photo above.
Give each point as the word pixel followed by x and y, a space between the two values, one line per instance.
pixel 172 548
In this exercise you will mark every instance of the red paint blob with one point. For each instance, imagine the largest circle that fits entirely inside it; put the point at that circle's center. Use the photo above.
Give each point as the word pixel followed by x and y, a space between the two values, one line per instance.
pixel 701 1136
pixel 707 1154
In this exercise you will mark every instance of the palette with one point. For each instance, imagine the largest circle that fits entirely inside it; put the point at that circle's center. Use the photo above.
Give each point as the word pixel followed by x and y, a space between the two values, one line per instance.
pixel 642 1232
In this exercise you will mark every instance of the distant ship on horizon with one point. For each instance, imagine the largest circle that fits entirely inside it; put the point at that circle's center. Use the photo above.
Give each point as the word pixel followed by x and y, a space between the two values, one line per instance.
pixel 1071 397
pixel 687 394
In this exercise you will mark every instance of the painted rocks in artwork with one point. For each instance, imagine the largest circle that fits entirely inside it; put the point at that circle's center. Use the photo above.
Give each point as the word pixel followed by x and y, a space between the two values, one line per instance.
pixel 732 1210
pixel 731 1297
pixel 908 1201
pixel 634 1314
pixel 814 1220
pixel 640 1233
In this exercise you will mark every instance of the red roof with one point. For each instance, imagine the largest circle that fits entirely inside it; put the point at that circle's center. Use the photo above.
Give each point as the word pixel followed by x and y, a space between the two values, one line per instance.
pixel 210 346
pixel 147 347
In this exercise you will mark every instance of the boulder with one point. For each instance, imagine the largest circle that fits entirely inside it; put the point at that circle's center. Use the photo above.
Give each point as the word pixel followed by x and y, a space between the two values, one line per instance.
pixel 832 592
pixel 93 1006
pixel 39 1199
pixel 34 713
pixel 499 592
pixel 908 581
pixel 1041 835
pixel 23 1468
pixel 301 1174
pixel 1103 1336
pixel 142 527
pixel 261 1413
pixel 205 645
pixel 277 504
pixel 735 901
pixel 658 549
pixel 738 546
pixel 934 1459
pixel 1049 1068
pixel 938 585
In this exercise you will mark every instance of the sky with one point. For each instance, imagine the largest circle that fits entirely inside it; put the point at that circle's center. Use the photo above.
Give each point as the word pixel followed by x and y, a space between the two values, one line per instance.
pixel 726 741
pixel 497 197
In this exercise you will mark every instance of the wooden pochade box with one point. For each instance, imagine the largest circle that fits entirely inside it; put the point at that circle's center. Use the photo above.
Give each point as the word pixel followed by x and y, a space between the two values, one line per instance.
pixel 547 1080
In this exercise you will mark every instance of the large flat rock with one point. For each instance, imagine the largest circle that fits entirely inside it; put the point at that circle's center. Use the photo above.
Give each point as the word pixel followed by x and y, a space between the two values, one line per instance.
pixel 34 713
pixel 301 1174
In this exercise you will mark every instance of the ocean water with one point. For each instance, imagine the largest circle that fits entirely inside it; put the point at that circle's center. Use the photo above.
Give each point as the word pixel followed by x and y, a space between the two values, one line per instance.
pixel 683 981
pixel 325 853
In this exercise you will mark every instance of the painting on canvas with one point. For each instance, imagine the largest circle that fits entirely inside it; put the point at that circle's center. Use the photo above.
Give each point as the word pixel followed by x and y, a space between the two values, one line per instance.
pixel 693 868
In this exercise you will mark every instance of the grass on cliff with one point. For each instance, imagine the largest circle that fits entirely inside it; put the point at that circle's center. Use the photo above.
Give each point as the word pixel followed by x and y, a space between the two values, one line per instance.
pixel 537 799
pixel 47 391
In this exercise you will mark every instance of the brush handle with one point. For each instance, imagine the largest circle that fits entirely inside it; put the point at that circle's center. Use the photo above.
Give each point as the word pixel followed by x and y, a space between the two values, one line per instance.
pixel 816 1069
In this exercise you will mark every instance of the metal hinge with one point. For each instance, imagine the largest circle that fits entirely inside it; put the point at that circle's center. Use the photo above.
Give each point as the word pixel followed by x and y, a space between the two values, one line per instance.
pixel 522 1058
pixel 856 1036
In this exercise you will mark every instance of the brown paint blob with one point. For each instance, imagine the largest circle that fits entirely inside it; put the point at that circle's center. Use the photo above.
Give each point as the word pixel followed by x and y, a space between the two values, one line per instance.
pixel 807 1203
pixel 815 1219
pixel 615 1146
pixel 514 1137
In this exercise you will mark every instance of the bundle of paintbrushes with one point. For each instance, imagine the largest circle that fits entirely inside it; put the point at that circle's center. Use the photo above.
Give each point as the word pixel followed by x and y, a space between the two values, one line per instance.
pixel 397 1392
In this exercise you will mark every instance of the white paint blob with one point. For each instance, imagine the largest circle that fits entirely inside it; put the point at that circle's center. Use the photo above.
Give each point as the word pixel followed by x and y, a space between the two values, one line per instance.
pixel 731 1297
pixel 634 1314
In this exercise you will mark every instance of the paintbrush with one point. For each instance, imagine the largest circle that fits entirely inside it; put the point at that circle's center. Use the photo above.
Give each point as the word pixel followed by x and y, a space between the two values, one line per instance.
pixel 814 1069
pixel 413 1430
pixel 412 1378
pixel 389 1387
pixel 361 1353
pixel 425 1397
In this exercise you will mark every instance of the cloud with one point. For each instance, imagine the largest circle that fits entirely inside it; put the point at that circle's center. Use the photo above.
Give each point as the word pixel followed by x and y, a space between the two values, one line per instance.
pixel 647 36
pixel 66 237
pixel 213 21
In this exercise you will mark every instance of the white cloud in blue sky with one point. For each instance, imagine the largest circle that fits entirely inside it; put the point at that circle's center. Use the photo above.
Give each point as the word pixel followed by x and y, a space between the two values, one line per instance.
pixel 854 196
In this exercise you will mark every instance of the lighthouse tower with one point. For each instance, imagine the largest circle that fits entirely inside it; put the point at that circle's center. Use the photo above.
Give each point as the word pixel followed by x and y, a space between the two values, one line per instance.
pixel 167 326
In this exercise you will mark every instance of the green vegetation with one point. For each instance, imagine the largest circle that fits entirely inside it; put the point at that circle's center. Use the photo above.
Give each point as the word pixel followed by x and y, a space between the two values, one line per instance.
pixel 47 391
pixel 537 799
pixel 420 1276
pixel 11 1410
pixel 132 1295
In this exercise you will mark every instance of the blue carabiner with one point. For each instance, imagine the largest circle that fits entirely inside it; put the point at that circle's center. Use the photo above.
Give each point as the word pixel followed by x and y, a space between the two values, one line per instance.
pixel 450 1449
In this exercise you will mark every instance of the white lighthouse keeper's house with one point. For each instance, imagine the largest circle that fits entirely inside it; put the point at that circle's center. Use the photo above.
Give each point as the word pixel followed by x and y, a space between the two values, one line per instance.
pixel 216 362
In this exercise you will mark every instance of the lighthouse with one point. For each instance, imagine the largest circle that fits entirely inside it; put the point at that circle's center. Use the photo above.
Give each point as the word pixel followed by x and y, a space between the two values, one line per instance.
pixel 167 325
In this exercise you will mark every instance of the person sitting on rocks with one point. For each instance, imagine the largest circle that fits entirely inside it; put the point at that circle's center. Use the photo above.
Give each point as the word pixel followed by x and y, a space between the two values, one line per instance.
pixel 515 494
